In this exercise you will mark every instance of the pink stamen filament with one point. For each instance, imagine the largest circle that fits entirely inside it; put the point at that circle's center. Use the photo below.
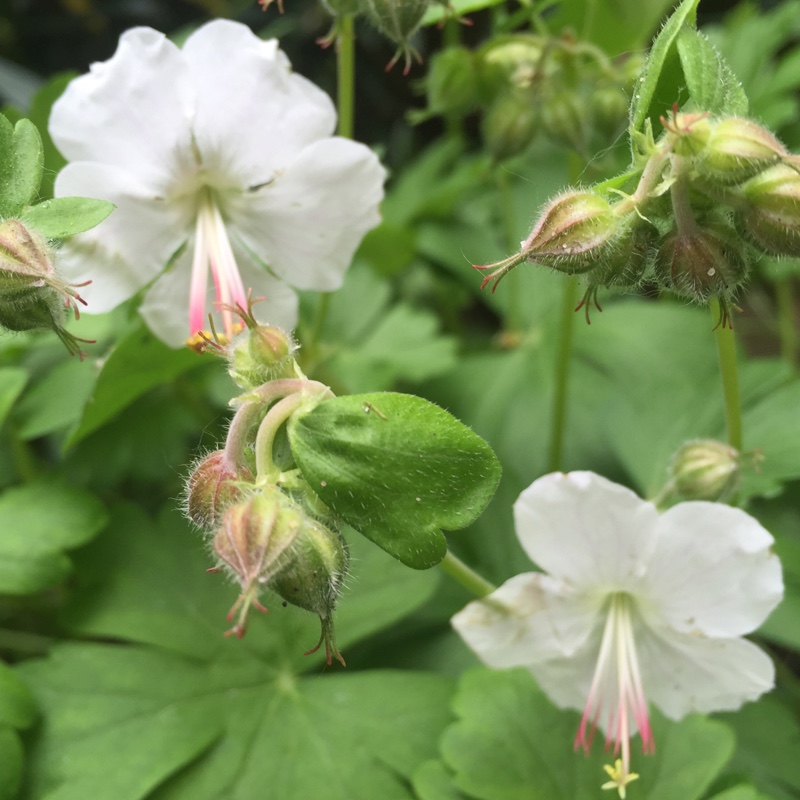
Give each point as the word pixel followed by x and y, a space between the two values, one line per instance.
pixel 618 672
pixel 213 250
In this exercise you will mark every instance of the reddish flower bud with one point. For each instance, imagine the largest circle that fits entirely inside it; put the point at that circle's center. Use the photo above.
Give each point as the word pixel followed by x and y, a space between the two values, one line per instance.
pixel 573 234
pixel 214 484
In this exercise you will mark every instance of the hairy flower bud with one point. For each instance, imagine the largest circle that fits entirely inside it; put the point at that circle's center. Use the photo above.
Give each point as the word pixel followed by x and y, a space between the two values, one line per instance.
pixel 253 542
pixel 572 235
pixel 564 120
pixel 260 353
pixel 771 216
pixel 313 578
pixel 705 469
pixel 737 149
pixel 690 132
pixel 702 262
pixel 215 484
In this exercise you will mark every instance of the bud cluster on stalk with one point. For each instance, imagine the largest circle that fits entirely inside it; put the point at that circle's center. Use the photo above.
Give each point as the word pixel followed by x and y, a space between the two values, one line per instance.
pixel 711 194
pixel 265 527
pixel 524 85
pixel 32 295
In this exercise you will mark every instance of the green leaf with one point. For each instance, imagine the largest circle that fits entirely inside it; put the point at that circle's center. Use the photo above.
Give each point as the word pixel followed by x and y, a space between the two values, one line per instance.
pixel 712 85
pixel 663 49
pixel 741 793
pixel 397 468
pixel 433 781
pixel 37 523
pixel 20 165
pixel 137 363
pixel 12 382
pixel 125 723
pixel 17 706
pixel 511 743
pixel 66 216
pixel 11 762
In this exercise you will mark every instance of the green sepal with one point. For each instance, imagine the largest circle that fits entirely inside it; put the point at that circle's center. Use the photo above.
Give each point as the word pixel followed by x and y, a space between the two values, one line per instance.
pixel 66 216
pixel 21 158
pixel 396 468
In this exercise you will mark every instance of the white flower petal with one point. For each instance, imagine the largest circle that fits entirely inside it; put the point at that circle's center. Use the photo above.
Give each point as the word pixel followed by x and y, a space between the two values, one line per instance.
pixel 682 674
pixel 133 110
pixel 712 571
pixel 587 530
pixel 531 617
pixel 307 224
pixel 253 114
pixel 130 247
pixel 166 305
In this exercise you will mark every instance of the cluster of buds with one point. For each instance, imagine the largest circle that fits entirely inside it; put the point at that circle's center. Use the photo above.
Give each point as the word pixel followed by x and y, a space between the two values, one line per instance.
pixel 527 84
pixel 266 527
pixel 702 183
pixel 32 295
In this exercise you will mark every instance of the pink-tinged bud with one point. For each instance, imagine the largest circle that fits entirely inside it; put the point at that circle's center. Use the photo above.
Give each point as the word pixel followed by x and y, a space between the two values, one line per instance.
pixel 573 234
pixel 771 217
pixel 26 261
pixel 705 470
pixel 254 542
pixel 700 263
pixel 214 484
pixel 737 150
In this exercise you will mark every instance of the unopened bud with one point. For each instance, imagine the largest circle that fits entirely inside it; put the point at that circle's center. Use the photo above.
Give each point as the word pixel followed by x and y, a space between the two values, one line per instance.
pixel 771 217
pixel 564 120
pixel 690 132
pixel 313 577
pixel 737 149
pixel 572 235
pixel 215 484
pixel 705 469
pixel 452 82
pixel 260 353
pixel 510 125
pixel 702 262
pixel 254 542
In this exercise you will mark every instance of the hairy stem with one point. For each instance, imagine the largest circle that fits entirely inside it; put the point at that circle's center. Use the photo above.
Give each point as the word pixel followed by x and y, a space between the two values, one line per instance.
pixel 726 351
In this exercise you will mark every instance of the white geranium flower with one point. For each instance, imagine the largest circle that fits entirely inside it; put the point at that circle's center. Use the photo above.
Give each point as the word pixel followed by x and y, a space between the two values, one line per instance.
pixel 224 170
pixel 633 606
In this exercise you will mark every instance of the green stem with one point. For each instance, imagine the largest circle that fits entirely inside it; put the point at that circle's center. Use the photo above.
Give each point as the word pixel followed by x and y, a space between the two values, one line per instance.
pixel 466 576
pixel 787 331
pixel 726 350
pixel 558 423
pixel 346 73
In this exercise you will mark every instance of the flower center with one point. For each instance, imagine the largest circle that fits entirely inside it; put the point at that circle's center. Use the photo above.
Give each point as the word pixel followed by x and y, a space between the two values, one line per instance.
pixel 212 251
pixel 616 691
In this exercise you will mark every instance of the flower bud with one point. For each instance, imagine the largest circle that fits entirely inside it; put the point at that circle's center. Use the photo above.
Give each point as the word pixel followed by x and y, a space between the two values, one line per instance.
pixel 737 149
pixel 313 578
pixel 690 132
pixel 398 20
pixel 451 82
pixel 771 217
pixel 705 469
pixel 214 484
pixel 254 542
pixel 573 234
pixel 701 262
pixel 564 120
pixel 260 353
pixel 609 111
pixel 510 125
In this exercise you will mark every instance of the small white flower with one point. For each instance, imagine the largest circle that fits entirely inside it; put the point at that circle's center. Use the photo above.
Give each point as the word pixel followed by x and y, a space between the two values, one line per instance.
pixel 224 170
pixel 633 606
